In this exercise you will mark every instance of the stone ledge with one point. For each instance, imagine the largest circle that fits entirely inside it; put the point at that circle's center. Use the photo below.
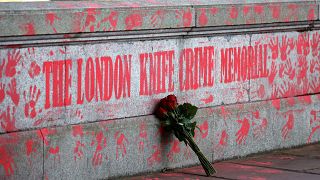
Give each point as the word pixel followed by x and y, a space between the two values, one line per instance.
pixel 19 19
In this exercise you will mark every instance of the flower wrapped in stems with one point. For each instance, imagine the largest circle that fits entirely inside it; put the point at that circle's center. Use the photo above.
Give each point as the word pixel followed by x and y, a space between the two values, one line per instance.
pixel 178 119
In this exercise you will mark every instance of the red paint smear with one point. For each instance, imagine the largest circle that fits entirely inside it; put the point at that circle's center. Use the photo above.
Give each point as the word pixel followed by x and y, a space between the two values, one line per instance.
pixel 245 10
pixel 175 149
pixel 275 11
pixel 214 10
pixel 305 99
pixel 204 129
pixel 28 28
pixel 269 171
pixel 276 103
pixel 187 17
pixel 208 99
pixel 7 161
pixel 287 128
pixel 313 130
pixel 77 130
pixel 50 18
pixel 55 150
pixel 45 133
pixel 258 9
pixel 34 70
pixel 133 21
pixel 203 19
pixel 291 101
pixel 155 157
pixel 311 13
pixel 223 138
pixel 29 147
pixel 233 12
pixel 2 92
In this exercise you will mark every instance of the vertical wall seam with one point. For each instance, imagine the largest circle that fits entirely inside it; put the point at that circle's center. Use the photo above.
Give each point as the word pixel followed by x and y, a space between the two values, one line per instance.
pixel 42 138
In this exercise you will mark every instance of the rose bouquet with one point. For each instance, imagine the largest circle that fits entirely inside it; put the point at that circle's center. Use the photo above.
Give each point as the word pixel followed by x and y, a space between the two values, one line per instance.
pixel 178 119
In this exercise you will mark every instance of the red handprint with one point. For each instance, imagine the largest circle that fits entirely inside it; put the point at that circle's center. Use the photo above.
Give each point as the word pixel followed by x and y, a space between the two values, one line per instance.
pixel 13 60
pixel 203 128
pixel 34 70
pixel 303 64
pixel 2 67
pixel 303 46
pixel 289 71
pixel 243 131
pixel 281 70
pixel 113 20
pixel 2 93
pixel 175 149
pixel 203 19
pixel 259 129
pixel 30 106
pixel 274 46
pixel 186 16
pixel 288 126
pixel 121 146
pixel 287 89
pixel 101 143
pixel 272 73
pixel 260 92
pixel 313 65
pixel 9 121
pixel 315 44
pixel 155 157
pixel 315 118
pixel 223 138
pixel 315 84
pixel 78 153
pixel 12 92
pixel 6 161
pixel 142 136
pixel 133 21
pixel 157 18
pixel 283 48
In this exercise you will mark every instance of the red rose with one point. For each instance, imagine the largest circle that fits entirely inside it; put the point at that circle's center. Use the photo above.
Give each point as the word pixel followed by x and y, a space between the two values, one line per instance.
pixel 161 112
pixel 172 102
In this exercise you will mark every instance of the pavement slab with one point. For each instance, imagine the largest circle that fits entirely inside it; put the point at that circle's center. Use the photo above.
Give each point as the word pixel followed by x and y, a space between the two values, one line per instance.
pixel 298 163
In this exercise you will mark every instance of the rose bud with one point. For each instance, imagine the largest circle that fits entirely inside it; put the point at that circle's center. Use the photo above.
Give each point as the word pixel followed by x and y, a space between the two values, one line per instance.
pixel 172 102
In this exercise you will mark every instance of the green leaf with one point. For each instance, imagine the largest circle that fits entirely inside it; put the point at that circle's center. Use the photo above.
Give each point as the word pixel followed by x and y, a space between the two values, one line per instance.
pixel 188 110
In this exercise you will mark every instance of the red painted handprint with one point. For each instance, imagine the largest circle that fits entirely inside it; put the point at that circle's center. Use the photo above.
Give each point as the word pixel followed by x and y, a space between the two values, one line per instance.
pixel 243 131
pixel 203 128
pixel 284 48
pixel 113 20
pixel 314 123
pixel 272 73
pixel 12 92
pixel 2 67
pixel 121 144
pixel 155 157
pixel 34 70
pixel 290 70
pixel 101 142
pixel 157 18
pixel 288 126
pixel 9 121
pixel 274 46
pixel 186 16
pixel 175 149
pixel 133 21
pixel 2 93
pixel 30 106
pixel 77 151
pixel 13 59
pixel 315 44
pixel 6 161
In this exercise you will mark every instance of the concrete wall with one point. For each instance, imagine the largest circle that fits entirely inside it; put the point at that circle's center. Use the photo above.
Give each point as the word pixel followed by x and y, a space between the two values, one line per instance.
pixel 80 80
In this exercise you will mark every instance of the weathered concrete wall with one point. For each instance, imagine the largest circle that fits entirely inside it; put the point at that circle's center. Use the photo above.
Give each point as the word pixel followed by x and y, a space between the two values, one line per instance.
pixel 81 106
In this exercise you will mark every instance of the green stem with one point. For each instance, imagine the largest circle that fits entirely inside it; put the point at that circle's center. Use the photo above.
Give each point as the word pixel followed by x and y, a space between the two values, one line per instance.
pixel 207 166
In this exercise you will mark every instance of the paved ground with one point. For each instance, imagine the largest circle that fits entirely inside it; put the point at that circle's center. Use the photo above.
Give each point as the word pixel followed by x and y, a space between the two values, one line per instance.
pixel 301 163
